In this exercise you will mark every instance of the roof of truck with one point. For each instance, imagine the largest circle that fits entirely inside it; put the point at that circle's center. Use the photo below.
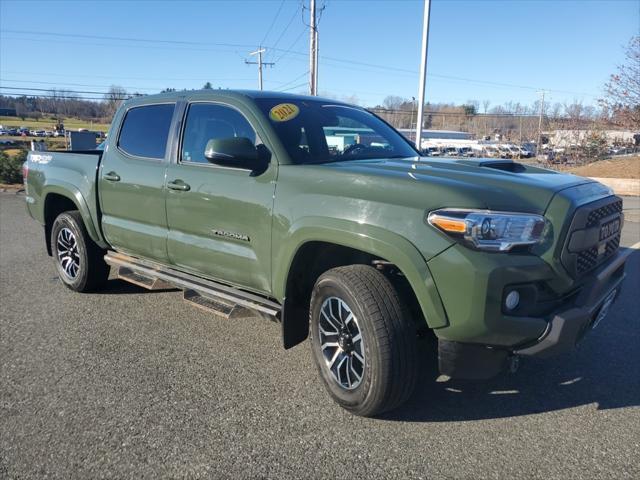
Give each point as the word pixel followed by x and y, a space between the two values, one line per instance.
pixel 226 93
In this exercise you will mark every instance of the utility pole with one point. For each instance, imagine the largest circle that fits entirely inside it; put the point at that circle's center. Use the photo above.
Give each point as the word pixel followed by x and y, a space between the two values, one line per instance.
pixel 520 118
pixel 539 144
pixel 413 108
pixel 313 50
pixel 423 72
pixel 260 64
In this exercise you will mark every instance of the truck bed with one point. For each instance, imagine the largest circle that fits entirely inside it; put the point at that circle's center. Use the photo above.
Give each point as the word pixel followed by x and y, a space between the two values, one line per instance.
pixel 52 173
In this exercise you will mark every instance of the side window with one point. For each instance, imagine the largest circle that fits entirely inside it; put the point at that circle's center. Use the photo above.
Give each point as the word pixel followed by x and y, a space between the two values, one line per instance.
pixel 145 130
pixel 207 121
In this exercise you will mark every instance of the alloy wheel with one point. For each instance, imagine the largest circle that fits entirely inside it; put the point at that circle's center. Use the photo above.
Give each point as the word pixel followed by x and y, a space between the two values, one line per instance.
pixel 341 343
pixel 68 255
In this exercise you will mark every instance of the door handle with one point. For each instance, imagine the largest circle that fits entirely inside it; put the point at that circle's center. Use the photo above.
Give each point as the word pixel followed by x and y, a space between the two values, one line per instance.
pixel 179 185
pixel 111 176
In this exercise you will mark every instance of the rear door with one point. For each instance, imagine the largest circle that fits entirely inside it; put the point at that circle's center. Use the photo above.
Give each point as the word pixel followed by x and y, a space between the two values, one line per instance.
pixel 131 182
pixel 219 218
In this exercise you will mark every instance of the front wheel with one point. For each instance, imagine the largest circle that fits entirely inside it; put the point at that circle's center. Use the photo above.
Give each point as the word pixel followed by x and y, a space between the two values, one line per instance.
pixel 79 261
pixel 362 342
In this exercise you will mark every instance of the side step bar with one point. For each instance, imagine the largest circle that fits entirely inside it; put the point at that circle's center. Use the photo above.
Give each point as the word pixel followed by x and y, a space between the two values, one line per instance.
pixel 149 283
pixel 200 291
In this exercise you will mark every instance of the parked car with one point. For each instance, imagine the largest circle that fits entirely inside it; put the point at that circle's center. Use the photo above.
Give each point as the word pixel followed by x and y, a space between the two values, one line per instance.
pixel 357 249
pixel 491 151
pixel 58 133
pixel 524 153
pixel 432 152
pixel 4 132
pixel 504 151
pixel 465 152
pixel 450 151
pixel 617 150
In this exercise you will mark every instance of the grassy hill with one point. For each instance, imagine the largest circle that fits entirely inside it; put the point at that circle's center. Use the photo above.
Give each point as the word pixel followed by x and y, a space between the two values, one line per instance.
pixel 47 123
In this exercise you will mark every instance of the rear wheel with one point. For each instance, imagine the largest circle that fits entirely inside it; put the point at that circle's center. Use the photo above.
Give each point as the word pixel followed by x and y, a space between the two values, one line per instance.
pixel 363 343
pixel 79 261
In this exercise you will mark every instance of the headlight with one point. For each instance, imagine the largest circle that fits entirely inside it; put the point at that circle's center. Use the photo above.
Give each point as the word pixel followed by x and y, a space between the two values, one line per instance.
pixel 488 230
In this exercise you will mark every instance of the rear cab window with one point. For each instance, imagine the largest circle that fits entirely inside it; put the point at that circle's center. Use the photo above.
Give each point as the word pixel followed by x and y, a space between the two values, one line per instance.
pixel 145 131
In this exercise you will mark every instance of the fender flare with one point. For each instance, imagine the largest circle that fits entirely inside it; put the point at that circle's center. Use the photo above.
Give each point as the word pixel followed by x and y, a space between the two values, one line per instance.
pixel 370 239
pixel 71 192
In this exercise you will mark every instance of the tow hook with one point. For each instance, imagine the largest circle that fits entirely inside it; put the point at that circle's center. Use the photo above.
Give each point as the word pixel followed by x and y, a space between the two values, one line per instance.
pixel 513 363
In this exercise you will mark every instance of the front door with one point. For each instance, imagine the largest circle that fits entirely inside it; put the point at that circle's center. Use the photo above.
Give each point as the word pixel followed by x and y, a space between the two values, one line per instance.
pixel 131 182
pixel 219 218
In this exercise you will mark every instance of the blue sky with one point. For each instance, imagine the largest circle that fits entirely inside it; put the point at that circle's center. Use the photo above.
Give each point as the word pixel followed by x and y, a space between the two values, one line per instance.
pixel 484 50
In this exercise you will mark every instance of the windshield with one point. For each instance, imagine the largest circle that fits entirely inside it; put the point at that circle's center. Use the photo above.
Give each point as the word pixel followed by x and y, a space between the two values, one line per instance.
pixel 315 131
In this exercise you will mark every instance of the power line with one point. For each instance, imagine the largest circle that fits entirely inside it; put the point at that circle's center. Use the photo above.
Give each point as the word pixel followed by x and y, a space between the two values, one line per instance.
pixel 292 81
pixel 50 90
pixel 292 45
pixel 294 87
pixel 272 23
pixel 61 97
pixel 127 39
pixel 295 13
pixel 61 86
pixel 386 68
pixel 181 79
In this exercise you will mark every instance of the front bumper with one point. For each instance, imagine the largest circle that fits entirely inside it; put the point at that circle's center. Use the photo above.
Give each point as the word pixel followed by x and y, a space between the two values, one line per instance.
pixel 566 328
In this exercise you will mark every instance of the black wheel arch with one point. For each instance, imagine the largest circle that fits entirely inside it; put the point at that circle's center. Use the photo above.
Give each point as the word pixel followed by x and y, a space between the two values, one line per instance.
pixel 54 205
pixel 313 259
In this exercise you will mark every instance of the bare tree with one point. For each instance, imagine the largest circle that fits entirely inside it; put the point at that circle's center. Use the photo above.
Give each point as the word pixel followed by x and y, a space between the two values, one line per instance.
pixel 623 89
pixel 114 98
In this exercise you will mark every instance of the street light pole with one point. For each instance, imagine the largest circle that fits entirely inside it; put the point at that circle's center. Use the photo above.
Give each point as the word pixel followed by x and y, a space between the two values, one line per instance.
pixel 423 72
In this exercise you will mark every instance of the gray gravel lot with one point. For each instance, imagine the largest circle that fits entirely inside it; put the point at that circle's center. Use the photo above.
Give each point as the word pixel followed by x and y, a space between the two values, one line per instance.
pixel 137 384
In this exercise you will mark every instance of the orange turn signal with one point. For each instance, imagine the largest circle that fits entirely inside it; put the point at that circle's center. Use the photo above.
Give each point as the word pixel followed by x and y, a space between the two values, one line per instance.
pixel 448 224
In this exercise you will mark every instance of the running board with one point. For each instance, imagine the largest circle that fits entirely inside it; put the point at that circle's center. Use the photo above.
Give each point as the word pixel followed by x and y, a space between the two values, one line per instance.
pixel 218 306
pixel 213 294
pixel 143 281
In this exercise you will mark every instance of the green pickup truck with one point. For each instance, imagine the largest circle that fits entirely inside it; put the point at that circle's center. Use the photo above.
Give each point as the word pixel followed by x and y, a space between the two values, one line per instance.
pixel 319 215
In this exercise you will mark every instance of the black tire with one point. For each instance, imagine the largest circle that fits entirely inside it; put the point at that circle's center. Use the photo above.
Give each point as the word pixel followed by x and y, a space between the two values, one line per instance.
pixel 389 369
pixel 92 271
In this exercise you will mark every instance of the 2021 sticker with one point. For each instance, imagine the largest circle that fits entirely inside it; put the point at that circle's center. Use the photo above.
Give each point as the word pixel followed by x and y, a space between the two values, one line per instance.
pixel 284 112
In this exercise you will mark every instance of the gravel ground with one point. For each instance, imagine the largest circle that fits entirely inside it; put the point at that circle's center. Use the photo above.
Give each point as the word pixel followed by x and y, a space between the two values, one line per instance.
pixel 137 384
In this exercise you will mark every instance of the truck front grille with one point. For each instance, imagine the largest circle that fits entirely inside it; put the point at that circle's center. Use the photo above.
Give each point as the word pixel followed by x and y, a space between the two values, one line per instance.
pixel 585 248
pixel 603 212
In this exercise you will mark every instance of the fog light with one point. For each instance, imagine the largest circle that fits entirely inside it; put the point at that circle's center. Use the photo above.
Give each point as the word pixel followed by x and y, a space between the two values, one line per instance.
pixel 512 300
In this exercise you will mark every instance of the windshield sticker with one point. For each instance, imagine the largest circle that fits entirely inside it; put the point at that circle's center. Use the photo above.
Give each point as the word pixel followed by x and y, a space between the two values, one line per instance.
pixel 283 112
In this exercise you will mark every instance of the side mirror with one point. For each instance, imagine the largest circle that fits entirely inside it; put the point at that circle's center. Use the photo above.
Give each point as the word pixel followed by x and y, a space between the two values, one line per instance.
pixel 236 152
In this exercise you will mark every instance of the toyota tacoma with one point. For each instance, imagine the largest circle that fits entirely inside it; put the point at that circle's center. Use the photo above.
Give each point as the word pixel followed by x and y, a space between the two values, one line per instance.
pixel 321 216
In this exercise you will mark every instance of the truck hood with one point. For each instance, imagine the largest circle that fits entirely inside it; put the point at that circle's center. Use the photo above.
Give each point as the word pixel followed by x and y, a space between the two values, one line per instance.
pixel 477 183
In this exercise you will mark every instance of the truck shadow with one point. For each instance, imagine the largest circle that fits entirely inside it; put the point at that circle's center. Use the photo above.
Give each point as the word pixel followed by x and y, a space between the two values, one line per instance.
pixel 604 370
